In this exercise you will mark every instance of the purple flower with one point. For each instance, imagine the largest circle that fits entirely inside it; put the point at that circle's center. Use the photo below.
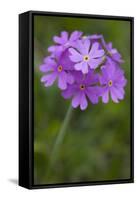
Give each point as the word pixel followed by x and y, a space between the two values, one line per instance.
pixel 84 86
pixel 64 41
pixel 113 53
pixel 61 70
pixel 73 62
pixel 112 81
pixel 86 55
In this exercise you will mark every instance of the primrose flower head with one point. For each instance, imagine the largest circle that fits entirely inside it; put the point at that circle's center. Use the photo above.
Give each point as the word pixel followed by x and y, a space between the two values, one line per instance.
pixel 86 69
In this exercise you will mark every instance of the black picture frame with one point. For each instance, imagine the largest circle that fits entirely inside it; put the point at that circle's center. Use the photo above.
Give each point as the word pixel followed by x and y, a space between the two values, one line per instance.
pixel 26 99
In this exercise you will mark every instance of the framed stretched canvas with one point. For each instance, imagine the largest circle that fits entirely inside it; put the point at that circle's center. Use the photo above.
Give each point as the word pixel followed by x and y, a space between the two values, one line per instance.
pixel 75 99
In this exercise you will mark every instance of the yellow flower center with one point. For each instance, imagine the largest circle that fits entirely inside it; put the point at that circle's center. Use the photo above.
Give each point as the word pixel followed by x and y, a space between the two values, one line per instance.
pixel 60 68
pixel 84 37
pixel 110 83
pixel 82 87
pixel 103 58
pixel 86 58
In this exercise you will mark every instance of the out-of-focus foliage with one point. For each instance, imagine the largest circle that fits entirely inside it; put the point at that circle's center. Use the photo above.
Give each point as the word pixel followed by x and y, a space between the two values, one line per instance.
pixel 97 142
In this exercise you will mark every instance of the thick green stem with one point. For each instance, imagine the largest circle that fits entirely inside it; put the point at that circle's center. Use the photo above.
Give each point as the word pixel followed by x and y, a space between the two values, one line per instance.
pixel 59 139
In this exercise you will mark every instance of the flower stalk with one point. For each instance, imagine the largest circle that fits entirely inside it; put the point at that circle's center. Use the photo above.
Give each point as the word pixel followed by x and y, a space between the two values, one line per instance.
pixel 59 139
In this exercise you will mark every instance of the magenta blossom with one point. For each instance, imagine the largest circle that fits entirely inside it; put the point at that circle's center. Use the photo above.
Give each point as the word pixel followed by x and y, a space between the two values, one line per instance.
pixel 113 82
pixel 60 70
pixel 86 55
pixel 64 41
pixel 83 88
pixel 86 69
pixel 114 54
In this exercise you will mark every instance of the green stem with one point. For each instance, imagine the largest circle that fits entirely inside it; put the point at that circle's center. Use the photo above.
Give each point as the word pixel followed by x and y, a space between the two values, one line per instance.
pixel 59 139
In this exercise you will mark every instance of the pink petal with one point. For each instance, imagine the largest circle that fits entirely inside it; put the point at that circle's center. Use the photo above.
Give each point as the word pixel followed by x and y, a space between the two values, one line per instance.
pixel 49 60
pixel 64 35
pixel 98 54
pixel 113 51
pixel 91 92
pixel 68 92
pixel 70 78
pixel 86 46
pixel 94 48
pixel 49 79
pixel 109 45
pixel 120 81
pixel 102 80
pixel 45 68
pixel 113 95
pixel 52 48
pixel 105 96
pixel 91 77
pixel 75 55
pixel 81 48
pixel 76 100
pixel 94 63
pixel 78 66
pixel 119 92
pixel 95 52
pixel 105 72
pixel 58 40
pixel 78 75
pixel 62 80
pixel 84 67
pixel 83 102
pixel 75 35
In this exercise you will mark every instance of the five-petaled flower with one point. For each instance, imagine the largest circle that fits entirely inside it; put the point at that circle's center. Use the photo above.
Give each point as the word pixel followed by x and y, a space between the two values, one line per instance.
pixel 86 55
pixel 61 70
pixel 112 81
pixel 86 68
pixel 83 87
pixel 115 55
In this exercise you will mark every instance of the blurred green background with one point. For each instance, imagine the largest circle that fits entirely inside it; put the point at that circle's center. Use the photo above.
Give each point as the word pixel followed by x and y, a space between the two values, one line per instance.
pixel 96 145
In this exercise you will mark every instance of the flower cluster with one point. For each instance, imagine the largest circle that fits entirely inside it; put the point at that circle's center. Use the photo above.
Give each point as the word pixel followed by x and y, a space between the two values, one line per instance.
pixel 86 68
